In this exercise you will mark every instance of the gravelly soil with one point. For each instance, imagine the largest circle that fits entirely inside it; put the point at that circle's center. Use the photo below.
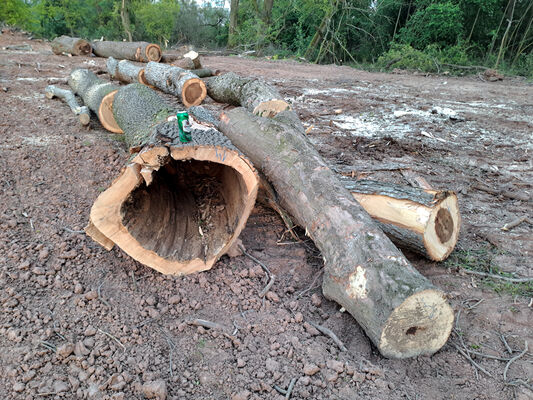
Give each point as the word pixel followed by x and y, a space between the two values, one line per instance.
pixel 80 322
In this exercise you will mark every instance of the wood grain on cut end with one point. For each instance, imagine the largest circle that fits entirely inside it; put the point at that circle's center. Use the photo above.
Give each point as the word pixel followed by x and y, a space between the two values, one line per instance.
pixel 105 113
pixel 193 93
pixel 84 119
pixel 420 325
pixel 271 108
pixel 153 52
pixel 442 231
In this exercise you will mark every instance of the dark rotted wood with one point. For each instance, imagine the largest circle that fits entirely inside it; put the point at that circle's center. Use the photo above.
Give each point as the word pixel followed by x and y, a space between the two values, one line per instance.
pixel 71 45
pixel 403 314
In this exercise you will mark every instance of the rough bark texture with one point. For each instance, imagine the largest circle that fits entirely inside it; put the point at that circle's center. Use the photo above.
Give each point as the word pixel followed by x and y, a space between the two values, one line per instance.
pixel 124 70
pixel 253 94
pixel 187 59
pixel 134 51
pixel 96 94
pixel 68 97
pixel 71 45
pixel 421 220
pixel 189 89
pixel 403 314
pixel 205 72
pixel 177 207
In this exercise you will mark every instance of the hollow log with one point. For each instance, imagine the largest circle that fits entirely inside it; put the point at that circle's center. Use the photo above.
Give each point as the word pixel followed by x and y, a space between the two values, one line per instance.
pixel 134 51
pixel 71 45
pixel 189 60
pixel 125 71
pixel 424 221
pixel 97 95
pixel 176 207
pixel 255 95
pixel 402 313
pixel 68 97
pixel 189 89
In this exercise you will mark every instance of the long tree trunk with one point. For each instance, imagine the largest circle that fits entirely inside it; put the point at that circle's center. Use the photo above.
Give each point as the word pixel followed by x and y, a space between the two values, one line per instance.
pixel 267 12
pixel 125 71
pixel 321 31
pixel 134 51
pixel 189 89
pixel 125 18
pixel 403 314
pixel 233 15
pixel 506 33
pixel 254 94
pixel 178 206
pixel 71 45
pixel 68 97
pixel 97 95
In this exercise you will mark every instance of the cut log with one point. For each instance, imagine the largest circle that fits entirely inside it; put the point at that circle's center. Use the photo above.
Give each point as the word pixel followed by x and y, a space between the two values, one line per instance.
pixel 189 89
pixel 177 207
pixel 205 72
pixel 402 313
pixel 97 95
pixel 189 60
pixel 125 71
pixel 253 94
pixel 68 97
pixel 422 220
pixel 71 45
pixel 134 51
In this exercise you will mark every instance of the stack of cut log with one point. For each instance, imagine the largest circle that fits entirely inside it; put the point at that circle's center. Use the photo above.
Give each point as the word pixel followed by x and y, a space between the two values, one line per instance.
pixel 181 202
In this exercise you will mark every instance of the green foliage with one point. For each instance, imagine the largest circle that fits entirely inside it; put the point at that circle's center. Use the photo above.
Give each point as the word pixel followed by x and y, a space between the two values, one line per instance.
pixel 155 22
pixel 403 56
pixel 439 23
pixel 15 12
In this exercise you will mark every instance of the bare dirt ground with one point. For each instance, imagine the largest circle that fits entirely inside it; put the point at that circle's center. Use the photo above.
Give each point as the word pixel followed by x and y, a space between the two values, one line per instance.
pixel 77 321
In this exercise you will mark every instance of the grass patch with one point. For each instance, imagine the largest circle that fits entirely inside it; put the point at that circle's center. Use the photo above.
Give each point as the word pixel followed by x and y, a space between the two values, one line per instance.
pixel 483 260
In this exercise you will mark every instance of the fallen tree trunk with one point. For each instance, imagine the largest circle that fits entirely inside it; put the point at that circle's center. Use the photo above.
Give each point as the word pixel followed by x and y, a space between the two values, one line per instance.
pixel 71 45
pixel 189 89
pixel 253 94
pixel 424 221
pixel 403 314
pixel 97 95
pixel 189 60
pixel 134 51
pixel 68 97
pixel 125 71
pixel 205 72
pixel 177 206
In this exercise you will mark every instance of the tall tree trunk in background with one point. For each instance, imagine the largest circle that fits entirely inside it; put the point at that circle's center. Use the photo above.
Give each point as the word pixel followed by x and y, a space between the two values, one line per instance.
pixel 267 12
pixel 233 13
pixel 321 31
pixel 504 38
pixel 125 17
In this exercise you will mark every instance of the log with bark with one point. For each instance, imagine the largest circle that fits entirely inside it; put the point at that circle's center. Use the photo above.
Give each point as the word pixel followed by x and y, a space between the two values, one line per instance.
pixel 189 89
pixel 422 220
pixel 189 60
pixel 125 71
pixel 205 72
pixel 255 95
pixel 402 313
pixel 134 51
pixel 97 95
pixel 71 45
pixel 68 97
pixel 176 207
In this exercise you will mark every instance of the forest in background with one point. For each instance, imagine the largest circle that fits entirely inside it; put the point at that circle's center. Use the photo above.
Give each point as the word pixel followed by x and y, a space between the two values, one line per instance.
pixel 427 35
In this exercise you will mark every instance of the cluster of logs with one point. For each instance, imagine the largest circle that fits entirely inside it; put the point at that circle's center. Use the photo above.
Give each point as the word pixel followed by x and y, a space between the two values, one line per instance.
pixel 181 202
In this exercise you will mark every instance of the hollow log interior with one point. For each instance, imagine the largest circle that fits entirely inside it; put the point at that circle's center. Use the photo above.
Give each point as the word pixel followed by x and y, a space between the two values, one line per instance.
pixel 189 211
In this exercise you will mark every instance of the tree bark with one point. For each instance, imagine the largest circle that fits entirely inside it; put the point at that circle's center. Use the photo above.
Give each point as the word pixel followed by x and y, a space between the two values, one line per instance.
pixel 125 71
pixel 97 95
pixel 134 51
pixel 189 89
pixel 403 314
pixel 71 45
pixel 68 97
pixel 424 221
pixel 205 72
pixel 177 207
pixel 125 18
pixel 254 94
pixel 189 60
pixel 233 16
